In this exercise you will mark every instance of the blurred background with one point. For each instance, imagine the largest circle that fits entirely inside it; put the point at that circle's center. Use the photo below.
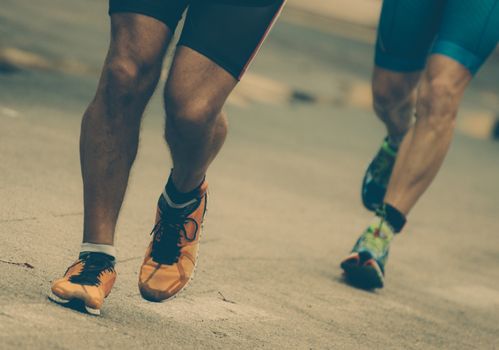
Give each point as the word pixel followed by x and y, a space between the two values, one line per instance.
pixel 52 37
pixel 285 202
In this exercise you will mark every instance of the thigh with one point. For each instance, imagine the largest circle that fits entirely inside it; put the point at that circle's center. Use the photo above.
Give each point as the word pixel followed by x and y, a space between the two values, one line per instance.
pixel 228 32
pixel 469 32
pixel 138 38
pixel 406 31
pixel 135 56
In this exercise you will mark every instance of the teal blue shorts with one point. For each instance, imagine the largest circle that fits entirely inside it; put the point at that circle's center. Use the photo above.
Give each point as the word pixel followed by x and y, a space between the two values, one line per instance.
pixel 411 30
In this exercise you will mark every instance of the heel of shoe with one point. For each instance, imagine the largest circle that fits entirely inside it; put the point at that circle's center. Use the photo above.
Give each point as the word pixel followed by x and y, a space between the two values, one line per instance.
pixel 92 311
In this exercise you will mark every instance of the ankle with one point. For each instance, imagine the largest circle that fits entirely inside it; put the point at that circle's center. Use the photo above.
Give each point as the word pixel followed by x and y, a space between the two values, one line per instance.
pixel 185 184
pixel 392 216
pixel 178 195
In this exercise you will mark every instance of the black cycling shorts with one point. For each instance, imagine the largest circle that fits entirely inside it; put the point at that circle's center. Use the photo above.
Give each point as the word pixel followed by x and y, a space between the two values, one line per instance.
pixel 228 32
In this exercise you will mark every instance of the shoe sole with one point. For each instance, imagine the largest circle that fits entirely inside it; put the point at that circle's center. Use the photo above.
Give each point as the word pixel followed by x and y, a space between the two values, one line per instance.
pixel 367 275
pixel 74 303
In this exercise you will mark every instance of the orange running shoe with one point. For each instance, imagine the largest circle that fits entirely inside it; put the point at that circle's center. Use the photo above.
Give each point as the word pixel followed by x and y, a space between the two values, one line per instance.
pixel 88 280
pixel 171 256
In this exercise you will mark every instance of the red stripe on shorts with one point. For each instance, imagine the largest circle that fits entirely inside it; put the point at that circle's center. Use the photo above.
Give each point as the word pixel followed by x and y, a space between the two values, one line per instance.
pixel 269 28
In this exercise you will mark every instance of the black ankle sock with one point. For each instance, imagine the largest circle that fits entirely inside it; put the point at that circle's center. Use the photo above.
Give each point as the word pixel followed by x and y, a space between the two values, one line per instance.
pixel 178 197
pixel 392 216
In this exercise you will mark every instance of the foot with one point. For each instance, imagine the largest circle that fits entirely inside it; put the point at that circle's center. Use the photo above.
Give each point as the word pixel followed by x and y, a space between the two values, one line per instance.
pixel 88 280
pixel 365 266
pixel 171 256
pixel 377 176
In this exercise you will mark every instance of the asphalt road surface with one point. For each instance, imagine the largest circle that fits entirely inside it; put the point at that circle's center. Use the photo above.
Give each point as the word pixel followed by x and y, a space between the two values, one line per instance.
pixel 284 207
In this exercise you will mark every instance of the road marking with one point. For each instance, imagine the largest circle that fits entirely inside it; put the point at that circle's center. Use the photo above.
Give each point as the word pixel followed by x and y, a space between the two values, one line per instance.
pixel 21 59
pixel 9 112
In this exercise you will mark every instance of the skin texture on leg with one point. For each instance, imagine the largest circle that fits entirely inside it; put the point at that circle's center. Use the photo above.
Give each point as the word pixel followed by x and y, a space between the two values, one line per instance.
pixel 196 127
pixel 110 126
pixel 394 97
pixel 426 144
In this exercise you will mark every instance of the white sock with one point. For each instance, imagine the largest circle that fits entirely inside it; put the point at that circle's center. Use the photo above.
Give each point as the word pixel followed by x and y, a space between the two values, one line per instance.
pixel 98 248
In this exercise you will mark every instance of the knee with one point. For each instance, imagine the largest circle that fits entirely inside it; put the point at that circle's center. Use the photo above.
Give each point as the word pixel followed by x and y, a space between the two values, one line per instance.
pixel 128 78
pixel 122 73
pixel 190 115
pixel 390 91
pixel 437 105
pixel 124 89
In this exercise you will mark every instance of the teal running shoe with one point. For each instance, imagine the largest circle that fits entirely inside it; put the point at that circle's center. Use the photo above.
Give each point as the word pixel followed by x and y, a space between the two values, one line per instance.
pixel 365 266
pixel 377 176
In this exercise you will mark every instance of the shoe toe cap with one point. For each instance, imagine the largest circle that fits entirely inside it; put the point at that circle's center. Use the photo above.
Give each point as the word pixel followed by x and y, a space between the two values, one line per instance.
pixel 92 296
pixel 63 288
pixel 161 282
pixel 154 295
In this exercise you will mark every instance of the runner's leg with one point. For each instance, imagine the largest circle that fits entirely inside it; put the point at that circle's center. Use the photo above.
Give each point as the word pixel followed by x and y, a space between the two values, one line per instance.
pixel 468 33
pixel 217 43
pixel 108 144
pixel 460 49
pixel 424 148
pixel 110 126
pixel 401 49
pixel 418 159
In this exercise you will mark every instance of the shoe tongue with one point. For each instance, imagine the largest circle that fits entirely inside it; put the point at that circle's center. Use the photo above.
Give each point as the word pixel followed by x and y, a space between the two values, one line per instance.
pixel 385 229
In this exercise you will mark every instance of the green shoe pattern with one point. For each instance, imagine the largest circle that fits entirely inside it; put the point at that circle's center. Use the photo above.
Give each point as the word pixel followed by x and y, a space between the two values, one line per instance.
pixel 377 176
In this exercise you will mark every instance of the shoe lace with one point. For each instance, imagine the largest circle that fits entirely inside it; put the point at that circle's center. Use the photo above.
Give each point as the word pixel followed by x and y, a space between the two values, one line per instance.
pixel 373 242
pixel 94 265
pixel 168 231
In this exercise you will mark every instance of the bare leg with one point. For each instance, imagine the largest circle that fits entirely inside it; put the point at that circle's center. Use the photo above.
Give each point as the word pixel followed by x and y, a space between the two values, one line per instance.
pixel 196 127
pixel 110 126
pixel 424 148
pixel 394 96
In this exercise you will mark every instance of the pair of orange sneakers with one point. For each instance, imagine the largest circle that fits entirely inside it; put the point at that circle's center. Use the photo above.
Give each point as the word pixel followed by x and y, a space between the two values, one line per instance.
pixel 168 264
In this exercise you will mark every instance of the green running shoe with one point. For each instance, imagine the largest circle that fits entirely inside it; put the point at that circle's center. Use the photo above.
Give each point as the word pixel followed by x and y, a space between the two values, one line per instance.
pixel 365 266
pixel 377 176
